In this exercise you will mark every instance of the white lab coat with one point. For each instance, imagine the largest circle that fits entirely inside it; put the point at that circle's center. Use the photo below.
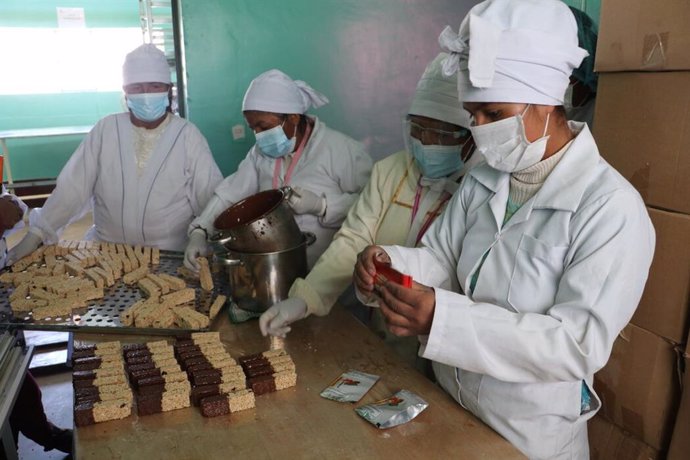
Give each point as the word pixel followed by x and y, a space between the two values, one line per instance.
pixel 17 226
pixel 154 209
pixel 561 280
pixel 332 165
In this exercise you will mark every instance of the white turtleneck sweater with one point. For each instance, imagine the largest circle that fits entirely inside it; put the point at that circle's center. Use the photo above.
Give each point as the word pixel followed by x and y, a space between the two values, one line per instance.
pixel 145 141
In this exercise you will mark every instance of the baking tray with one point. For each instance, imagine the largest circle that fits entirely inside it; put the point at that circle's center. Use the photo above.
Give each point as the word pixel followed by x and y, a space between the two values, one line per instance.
pixel 103 315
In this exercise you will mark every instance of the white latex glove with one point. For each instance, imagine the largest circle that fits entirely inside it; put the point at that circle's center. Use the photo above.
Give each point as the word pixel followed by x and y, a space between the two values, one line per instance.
pixel 303 201
pixel 276 320
pixel 197 247
pixel 26 246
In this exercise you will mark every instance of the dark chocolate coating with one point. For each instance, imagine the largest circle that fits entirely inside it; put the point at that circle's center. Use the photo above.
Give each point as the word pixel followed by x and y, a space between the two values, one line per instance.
pixel 139 360
pixel 136 354
pixel 198 367
pixel 150 404
pixel 83 383
pixel 133 346
pixel 192 361
pixel 203 391
pixel 86 364
pixel 140 367
pixel 213 406
pixel 137 377
pixel 83 414
pixel 84 375
pixel 206 377
pixel 261 384
pixel 260 370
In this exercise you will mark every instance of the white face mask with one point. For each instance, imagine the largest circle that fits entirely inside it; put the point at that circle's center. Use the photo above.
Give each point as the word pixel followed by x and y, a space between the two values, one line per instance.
pixel 505 146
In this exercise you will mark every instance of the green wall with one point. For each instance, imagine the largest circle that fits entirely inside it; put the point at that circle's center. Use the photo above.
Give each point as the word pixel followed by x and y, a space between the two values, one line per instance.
pixel 45 157
pixel 365 55
pixel 591 7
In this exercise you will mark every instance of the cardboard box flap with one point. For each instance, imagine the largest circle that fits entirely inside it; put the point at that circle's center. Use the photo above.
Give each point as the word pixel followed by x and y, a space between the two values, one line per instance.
pixel 643 35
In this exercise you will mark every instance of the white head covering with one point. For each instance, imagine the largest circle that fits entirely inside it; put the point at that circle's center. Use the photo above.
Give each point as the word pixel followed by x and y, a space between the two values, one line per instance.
pixel 145 64
pixel 514 51
pixel 437 96
pixel 274 91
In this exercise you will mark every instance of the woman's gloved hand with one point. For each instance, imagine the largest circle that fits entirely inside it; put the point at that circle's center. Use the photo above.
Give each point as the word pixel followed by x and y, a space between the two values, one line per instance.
pixel 197 247
pixel 303 201
pixel 26 246
pixel 276 320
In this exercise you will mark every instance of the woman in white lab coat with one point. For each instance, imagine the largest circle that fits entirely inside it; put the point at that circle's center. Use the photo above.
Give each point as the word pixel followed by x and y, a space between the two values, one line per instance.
pixel 146 173
pixel 327 169
pixel 541 256
pixel 406 192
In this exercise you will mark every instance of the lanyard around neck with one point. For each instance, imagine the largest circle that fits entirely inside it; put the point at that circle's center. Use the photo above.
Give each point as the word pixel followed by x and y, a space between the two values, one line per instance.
pixel 445 196
pixel 278 168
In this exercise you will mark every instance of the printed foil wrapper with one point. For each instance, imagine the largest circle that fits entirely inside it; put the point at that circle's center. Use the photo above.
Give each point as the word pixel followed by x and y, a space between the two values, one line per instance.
pixel 350 387
pixel 400 408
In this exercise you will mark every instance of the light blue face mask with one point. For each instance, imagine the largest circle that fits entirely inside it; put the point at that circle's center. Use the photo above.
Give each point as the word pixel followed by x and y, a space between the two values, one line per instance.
pixel 436 161
pixel 148 106
pixel 274 143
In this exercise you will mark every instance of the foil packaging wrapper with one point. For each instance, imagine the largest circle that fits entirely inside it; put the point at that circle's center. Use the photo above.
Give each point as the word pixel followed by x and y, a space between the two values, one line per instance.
pixel 350 387
pixel 400 408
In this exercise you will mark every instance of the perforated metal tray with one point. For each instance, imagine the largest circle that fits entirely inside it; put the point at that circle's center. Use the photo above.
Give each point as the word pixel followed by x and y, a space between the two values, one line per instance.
pixel 103 315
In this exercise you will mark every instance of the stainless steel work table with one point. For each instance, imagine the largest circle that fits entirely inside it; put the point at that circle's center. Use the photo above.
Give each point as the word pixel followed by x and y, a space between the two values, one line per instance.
pixel 297 422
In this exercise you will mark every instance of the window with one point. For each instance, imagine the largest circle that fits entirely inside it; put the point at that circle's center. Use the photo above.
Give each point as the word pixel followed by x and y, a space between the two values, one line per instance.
pixel 51 60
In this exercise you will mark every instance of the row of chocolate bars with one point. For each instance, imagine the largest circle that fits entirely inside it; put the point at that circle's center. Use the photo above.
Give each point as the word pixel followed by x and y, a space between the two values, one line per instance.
pixel 111 380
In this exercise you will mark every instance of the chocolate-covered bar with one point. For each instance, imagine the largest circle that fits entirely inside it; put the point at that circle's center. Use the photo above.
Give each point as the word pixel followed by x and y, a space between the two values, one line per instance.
pixel 226 403
pixel 162 402
pixel 88 413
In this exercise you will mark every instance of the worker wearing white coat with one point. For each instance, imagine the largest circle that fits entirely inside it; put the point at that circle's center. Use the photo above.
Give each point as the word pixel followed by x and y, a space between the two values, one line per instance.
pixel 405 193
pixel 146 172
pixel 326 168
pixel 540 258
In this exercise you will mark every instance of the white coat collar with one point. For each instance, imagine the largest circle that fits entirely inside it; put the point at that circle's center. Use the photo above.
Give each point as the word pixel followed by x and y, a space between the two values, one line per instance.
pixel 566 184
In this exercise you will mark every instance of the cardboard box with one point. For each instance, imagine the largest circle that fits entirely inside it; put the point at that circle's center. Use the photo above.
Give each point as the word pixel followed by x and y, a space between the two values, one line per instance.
pixel 680 441
pixel 642 127
pixel 608 442
pixel 643 35
pixel 665 302
pixel 639 386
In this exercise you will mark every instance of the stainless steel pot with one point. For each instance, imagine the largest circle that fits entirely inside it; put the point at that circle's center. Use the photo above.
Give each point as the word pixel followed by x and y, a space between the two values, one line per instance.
pixel 260 223
pixel 259 280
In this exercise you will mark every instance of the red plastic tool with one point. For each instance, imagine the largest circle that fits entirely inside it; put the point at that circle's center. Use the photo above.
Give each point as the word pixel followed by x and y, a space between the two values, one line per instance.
pixel 385 272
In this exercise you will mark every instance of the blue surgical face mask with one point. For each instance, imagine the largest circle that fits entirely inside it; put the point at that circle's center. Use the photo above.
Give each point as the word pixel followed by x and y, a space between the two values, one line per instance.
pixel 148 106
pixel 274 143
pixel 436 161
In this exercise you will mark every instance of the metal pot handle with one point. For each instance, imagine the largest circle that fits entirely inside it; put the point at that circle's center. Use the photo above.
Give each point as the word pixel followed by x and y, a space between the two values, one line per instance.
pixel 216 239
pixel 228 262
pixel 310 237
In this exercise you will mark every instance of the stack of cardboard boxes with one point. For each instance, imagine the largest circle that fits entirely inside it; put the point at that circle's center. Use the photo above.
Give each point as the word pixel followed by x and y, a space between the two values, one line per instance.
pixel 642 128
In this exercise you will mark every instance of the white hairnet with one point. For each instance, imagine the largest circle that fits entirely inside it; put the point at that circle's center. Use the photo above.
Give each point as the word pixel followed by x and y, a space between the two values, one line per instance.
pixel 145 64
pixel 274 91
pixel 514 51
pixel 437 96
